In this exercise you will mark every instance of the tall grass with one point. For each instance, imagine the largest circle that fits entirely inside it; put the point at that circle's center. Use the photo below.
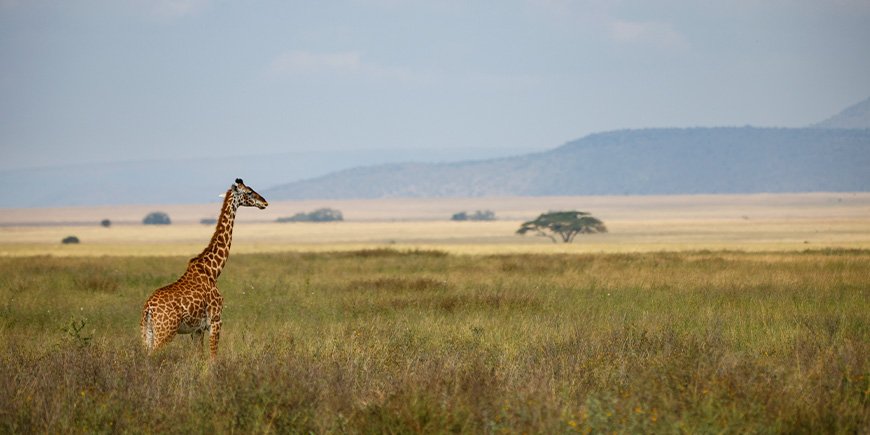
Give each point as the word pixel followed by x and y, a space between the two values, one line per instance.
pixel 380 341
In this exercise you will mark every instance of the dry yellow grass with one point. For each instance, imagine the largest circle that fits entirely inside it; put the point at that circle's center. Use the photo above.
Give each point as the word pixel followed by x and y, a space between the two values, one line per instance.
pixel 411 339
pixel 380 341
pixel 637 224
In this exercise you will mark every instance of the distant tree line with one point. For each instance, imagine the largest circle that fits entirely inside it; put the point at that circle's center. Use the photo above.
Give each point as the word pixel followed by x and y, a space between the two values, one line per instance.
pixel 157 218
pixel 479 215
pixel 319 215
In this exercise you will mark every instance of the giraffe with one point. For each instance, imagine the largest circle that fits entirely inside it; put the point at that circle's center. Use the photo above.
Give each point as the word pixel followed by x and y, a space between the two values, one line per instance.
pixel 193 303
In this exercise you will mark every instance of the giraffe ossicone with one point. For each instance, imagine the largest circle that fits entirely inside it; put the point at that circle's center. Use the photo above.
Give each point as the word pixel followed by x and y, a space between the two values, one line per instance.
pixel 193 304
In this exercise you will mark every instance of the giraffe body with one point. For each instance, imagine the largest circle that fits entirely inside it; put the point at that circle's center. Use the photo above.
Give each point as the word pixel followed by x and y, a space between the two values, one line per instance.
pixel 189 305
pixel 193 303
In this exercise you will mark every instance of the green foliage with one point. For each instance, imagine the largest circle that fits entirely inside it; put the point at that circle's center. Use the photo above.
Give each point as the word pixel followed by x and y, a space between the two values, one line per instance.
pixel 106 223
pixel 157 218
pixel 565 224
pixel 479 215
pixel 388 341
pixel 70 240
pixel 319 215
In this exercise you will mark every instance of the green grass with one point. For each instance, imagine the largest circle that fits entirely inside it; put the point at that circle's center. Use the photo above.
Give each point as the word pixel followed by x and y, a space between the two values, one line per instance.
pixel 381 341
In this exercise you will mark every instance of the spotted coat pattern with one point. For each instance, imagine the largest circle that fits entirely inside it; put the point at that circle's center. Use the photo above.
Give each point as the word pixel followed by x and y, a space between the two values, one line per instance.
pixel 192 305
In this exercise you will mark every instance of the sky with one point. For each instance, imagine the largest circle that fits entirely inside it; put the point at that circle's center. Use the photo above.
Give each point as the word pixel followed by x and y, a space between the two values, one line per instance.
pixel 119 80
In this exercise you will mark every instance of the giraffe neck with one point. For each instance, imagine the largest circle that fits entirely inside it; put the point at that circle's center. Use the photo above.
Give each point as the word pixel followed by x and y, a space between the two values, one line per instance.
pixel 213 258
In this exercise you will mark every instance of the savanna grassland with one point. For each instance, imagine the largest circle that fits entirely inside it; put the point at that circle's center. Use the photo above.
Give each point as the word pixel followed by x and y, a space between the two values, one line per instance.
pixel 402 341
pixel 757 223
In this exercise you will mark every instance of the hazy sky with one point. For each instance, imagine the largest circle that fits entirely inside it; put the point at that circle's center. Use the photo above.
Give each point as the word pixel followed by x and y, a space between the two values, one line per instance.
pixel 105 80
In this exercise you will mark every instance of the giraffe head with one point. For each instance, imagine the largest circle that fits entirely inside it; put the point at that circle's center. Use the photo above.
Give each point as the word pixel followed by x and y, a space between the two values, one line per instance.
pixel 246 197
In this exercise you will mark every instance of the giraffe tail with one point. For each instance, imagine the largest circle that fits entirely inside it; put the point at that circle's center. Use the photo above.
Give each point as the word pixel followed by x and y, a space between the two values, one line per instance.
pixel 147 329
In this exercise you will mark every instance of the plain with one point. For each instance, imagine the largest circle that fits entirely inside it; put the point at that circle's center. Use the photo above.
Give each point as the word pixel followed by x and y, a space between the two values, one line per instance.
pixel 700 314
pixel 637 224
pixel 423 341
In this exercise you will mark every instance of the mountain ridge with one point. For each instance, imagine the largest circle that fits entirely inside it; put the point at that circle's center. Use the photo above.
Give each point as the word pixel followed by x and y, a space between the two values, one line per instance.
pixel 157 181
pixel 644 162
pixel 854 116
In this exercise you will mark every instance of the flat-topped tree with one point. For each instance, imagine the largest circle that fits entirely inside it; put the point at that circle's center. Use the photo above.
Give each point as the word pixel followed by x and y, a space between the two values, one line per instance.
pixel 565 224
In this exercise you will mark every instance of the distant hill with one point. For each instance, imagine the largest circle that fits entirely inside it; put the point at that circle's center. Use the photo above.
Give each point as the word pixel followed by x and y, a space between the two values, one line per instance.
pixel 857 116
pixel 830 156
pixel 629 162
pixel 185 181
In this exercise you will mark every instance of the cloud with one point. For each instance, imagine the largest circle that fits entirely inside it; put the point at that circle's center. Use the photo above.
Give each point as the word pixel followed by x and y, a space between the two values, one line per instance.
pixel 602 19
pixel 175 8
pixel 154 9
pixel 649 33
pixel 299 62
pixel 305 62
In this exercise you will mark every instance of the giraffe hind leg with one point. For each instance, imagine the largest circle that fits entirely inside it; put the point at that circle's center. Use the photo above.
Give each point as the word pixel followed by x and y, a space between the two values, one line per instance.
pixel 155 331
pixel 148 330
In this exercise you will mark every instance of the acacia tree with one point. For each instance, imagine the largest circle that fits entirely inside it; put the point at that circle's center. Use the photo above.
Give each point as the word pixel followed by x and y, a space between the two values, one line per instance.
pixel 565 224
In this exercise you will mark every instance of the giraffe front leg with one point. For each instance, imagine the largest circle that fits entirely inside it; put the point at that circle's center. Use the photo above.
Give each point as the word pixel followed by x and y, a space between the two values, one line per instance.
pixel 198 338
pixel 214 323
pixel 214 328
pixel 214 336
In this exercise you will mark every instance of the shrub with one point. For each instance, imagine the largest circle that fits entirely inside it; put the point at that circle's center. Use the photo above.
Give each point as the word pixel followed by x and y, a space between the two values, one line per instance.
pixel 106 223
pixel 208 221
pixel 319 215
pixel 479 215
pixel 157 218
pixel 69 240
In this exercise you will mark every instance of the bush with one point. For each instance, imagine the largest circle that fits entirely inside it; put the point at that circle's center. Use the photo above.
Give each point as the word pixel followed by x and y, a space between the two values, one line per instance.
pixel 70 240
pixel 157 218
pixel 208 221
pixel 106 223
pixel 319 215
pixel 479 215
